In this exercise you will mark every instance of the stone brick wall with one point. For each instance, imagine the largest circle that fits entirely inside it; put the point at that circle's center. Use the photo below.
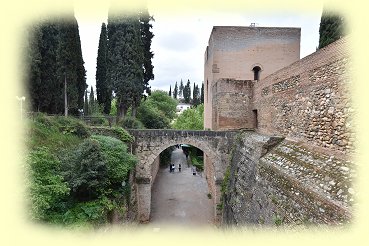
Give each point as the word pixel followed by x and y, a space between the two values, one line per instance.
pixel 233 52
pixel 232 104
pixel 273 182
pixel 155 168
pixel 309 101
pixel 150 143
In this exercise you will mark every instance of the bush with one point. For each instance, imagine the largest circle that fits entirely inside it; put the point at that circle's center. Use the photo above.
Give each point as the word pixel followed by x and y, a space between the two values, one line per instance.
pixel 85 170
pixel 132 123
pixel 190 119
pixel 95 172
pixel 118 161
pixel 69 125
pixel 46 186
pixel 98 119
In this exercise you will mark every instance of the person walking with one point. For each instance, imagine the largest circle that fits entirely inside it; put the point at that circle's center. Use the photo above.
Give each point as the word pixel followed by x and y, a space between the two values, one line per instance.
pixel 179 167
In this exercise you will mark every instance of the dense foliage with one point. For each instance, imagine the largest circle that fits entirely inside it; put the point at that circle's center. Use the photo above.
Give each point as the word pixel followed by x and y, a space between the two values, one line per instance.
pixel 187 92
pixel 53 56
pixel 157 111
pixel 75 178
pixel 103 88
pixel 129 58
pixel 332 28
pixel 175 91
pixel 190 119
pixel 180 89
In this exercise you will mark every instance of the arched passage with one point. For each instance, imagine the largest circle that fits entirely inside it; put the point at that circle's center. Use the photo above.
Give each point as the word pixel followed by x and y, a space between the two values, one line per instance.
pixel 147 159
pixel 180 197
pixel 148 144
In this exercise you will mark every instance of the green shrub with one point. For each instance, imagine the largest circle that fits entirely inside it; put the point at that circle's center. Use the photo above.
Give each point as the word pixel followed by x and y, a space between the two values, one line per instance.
pixel 132 123
pixel 85 170
pixel 98 118
pixel 69 125
pixel 46 186
pixel 118 161
pixel 123 134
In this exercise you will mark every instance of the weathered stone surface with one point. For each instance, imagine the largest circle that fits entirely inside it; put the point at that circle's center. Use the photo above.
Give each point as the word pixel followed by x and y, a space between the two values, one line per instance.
pixel 290 183
pixel 150 143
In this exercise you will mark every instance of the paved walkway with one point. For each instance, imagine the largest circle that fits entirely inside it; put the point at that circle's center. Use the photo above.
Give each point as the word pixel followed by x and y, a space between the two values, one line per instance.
pixel 180 198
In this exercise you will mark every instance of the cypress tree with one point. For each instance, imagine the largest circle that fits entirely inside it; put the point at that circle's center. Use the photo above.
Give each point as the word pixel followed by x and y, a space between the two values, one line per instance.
pixel 91 102
pixel 170 91
pixel 32 57
pixel 180 91
pixel 331 28
pixel 103 89
pixel 125 59
pixel 129 58
pixel 175 91
pixel 85 108
pixel 146 36
pixel 49 92
pixel 195 95
pixel 54 54
pixel 202 93
pixel 187 92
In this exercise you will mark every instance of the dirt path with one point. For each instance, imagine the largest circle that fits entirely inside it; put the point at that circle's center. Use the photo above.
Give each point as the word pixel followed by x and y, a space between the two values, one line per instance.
pixel 180 198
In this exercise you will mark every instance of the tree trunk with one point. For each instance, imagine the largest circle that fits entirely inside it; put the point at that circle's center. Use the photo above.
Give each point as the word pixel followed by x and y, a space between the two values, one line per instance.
pixel 121 112
pixel 134 111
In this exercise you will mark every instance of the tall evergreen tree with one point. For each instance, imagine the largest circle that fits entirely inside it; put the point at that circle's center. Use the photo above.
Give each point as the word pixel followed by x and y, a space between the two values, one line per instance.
pixel 129 58
pixel 85 107
pixel 48 94
pixel 103 89
pixel 55 56
pixel 202 93
pixel 170 91
pixel 91 101
pixel 70 64
pixel 187 92
pixel 195 95
pixel 125 59
pixel 331 28
pixel 147 35
pixel 180 91
pixel 175 91
pixel 32 56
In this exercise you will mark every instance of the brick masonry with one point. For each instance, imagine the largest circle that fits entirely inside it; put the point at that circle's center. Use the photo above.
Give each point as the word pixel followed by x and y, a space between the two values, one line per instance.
pixel 149 144
pixel 309 101
pixel 307 178
pixel 233 52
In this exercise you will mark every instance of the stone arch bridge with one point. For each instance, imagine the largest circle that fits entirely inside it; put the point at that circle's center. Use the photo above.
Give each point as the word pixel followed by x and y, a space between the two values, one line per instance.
pixel 148 144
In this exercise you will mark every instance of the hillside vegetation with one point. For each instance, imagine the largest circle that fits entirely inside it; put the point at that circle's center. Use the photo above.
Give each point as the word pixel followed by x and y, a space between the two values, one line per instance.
pixel 75 178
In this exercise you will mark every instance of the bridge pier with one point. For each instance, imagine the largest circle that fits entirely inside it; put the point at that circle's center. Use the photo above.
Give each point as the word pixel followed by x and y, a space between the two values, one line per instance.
pixel 143 199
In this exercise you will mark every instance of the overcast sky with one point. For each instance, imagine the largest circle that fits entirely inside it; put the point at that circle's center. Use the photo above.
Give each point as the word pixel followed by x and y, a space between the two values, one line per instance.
pixel 180 42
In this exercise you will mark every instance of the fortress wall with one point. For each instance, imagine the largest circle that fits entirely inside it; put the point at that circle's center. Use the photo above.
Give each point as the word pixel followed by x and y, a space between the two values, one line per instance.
pixel 233 52
pixel 309 101
pixel 237 49
pixel 232 104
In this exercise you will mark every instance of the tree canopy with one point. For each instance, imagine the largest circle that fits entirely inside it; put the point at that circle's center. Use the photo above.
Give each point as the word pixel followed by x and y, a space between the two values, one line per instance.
pixel 53 55
pixel 190 119
pixel 332 28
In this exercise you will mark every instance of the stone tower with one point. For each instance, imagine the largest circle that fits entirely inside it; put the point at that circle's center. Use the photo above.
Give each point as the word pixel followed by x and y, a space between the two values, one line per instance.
pixel 235 59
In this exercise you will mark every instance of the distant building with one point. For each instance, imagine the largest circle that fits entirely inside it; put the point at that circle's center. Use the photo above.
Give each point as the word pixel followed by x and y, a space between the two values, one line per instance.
pixel 182 107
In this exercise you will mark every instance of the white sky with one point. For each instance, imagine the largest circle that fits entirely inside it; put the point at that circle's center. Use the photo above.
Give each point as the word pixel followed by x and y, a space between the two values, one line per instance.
pixel 180 41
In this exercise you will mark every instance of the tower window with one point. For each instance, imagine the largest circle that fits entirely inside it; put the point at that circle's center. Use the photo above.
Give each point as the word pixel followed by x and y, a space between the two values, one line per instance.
pixel 256 70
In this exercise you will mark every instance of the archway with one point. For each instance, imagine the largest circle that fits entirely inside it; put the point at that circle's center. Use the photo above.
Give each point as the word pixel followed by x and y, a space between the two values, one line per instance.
pixel 181 196
pixel 146 178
